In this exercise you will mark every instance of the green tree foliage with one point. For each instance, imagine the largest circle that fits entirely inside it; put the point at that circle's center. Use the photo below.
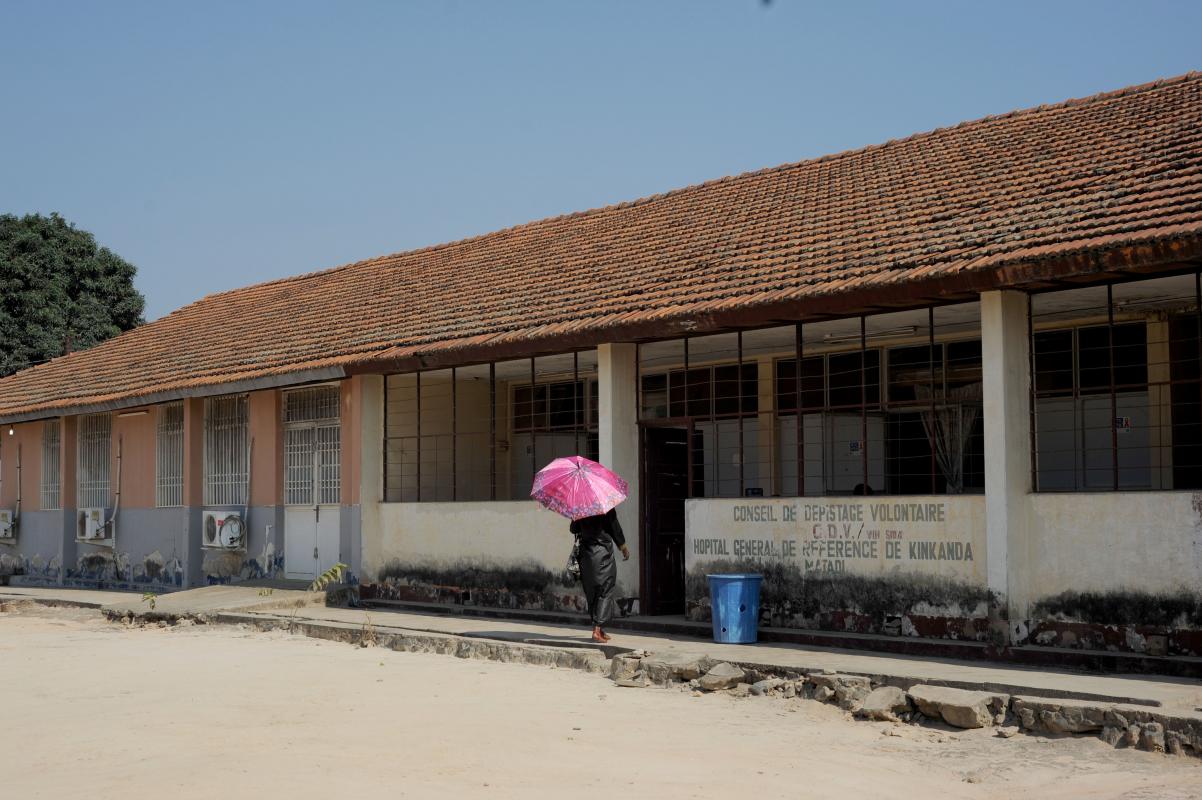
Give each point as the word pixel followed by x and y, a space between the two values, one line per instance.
pixel 57 284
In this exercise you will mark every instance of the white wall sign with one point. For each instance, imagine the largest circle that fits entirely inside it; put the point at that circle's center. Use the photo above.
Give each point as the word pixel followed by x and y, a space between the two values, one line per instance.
pixel 869 536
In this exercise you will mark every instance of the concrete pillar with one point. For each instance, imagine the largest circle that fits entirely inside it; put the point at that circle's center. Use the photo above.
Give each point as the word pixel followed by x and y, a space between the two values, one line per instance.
pixel 194 428
pixel 67 459
pixel 618 433
pixel 366 545
pixel 1006 380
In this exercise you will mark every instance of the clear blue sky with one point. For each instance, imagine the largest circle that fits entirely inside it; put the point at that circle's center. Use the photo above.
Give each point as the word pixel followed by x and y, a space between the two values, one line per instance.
pixel 217 144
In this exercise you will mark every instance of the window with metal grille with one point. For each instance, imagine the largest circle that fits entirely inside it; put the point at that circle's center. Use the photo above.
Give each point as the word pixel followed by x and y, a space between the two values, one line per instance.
pixel 51 459
pixel 226 451
pixel 169 456
pixel 312 447
pixel 1115 392
pixel 95 444
pixel 480 432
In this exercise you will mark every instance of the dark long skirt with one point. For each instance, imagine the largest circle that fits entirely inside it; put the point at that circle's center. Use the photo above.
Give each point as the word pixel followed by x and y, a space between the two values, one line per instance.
pixel 599 574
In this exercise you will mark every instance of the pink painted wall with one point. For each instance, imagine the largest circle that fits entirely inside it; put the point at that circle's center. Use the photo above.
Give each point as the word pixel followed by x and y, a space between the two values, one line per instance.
pixel 267 459
pixel 134 439
pixel 27 437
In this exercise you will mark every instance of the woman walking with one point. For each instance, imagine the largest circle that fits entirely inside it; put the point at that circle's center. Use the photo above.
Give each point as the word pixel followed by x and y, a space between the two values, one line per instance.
pixel 598 571
pixel 586 493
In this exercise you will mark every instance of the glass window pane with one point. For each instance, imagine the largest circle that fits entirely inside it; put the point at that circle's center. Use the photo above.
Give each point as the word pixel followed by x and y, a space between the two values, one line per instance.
pixel 1053 363
pixel 566 405
pixel 726 389
pixel 698 389
pixel 655 396
pixel 963 363
pixel 786 385
pixel 910 367
pixel 813 382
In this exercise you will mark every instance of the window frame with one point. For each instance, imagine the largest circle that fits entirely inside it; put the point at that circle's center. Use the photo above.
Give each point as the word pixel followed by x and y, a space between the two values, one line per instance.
pixel 94 457
pixel 169 455
pixel 226 475
pixel 50 495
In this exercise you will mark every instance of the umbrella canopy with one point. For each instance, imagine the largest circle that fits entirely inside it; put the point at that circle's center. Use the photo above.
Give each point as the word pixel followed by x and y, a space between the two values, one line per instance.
pixel 577 487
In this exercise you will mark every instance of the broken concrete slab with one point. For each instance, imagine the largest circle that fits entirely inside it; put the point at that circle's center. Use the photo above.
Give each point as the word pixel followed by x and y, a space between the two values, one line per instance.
pixel 662 669
pixel 884 703
pixel 720 676
pixel 638 680
pixel 959 707
pixel 1151 737
pixel 849 691
pixel 1060 716
pixel 623 667
pixel 834 680
pixel 760 688
pixel 1112 735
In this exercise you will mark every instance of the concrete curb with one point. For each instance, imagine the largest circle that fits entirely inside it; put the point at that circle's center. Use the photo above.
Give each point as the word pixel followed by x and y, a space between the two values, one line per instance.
pixel 7 603
pixel 1116 723
pixel 422 642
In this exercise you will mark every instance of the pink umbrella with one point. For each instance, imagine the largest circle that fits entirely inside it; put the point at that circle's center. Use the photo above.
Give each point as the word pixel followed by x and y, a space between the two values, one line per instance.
pixel 577 487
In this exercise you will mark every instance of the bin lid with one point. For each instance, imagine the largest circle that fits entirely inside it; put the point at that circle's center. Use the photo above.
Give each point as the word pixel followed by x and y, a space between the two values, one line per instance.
pixel 737 576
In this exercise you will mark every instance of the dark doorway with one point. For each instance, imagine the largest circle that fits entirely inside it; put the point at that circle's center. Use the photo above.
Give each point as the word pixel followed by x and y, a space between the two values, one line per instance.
pixel 665 486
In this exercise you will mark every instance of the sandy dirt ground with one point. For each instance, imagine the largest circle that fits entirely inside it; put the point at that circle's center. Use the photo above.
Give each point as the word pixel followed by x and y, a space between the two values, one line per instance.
pixel 98 710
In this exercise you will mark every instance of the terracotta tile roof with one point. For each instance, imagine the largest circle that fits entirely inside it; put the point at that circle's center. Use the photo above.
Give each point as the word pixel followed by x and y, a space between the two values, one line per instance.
pixel 1113 170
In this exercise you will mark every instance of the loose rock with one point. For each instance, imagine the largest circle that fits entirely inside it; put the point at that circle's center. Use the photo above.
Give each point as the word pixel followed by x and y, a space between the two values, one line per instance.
pixel 958 707
pixel 1151 737
pixel 721 676
pixel 885 703
pixel 767 685
pixel 675 666
pixel 1112 735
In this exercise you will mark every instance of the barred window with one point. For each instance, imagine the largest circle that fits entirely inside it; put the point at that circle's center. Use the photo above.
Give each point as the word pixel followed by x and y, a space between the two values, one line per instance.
pixel 226 451
pixel 886 403
pixel 51 459
pixel 480 432
pixel 169 456
pixel 1115 397
pixel 95 445
pixel 312 446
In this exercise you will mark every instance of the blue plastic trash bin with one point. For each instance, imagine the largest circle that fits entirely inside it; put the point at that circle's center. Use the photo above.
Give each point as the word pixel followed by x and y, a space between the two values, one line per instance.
pixel 735 602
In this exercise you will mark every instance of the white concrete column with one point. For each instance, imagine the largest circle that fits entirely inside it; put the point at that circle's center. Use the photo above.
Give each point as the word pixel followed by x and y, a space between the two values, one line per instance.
pixel 618 434
pixel 1006 381
pixel 369 429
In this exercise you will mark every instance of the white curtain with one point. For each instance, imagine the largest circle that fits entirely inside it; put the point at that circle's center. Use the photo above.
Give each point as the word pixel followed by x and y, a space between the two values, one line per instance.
pixel 949 425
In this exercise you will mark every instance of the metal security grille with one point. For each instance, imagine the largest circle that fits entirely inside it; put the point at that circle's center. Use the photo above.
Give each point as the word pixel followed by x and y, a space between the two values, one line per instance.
pixel 169 456
pixel 480 432
pixel 312 447
pixel 51 458
pixel 298 466
pixel 1116 395
pixel 319 404
pixel 329 464
pixel 226 448
pixel 95 437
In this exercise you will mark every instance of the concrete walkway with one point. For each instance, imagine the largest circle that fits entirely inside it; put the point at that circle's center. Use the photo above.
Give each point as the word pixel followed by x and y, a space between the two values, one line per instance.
pixel 247 603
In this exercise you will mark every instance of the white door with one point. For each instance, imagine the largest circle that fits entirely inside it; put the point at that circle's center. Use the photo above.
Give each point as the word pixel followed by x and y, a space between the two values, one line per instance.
pixel 312 482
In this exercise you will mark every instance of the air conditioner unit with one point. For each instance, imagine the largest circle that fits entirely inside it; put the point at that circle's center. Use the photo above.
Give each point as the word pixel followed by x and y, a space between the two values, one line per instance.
pixel 90 525
pixel 223 530
pixel 8 524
